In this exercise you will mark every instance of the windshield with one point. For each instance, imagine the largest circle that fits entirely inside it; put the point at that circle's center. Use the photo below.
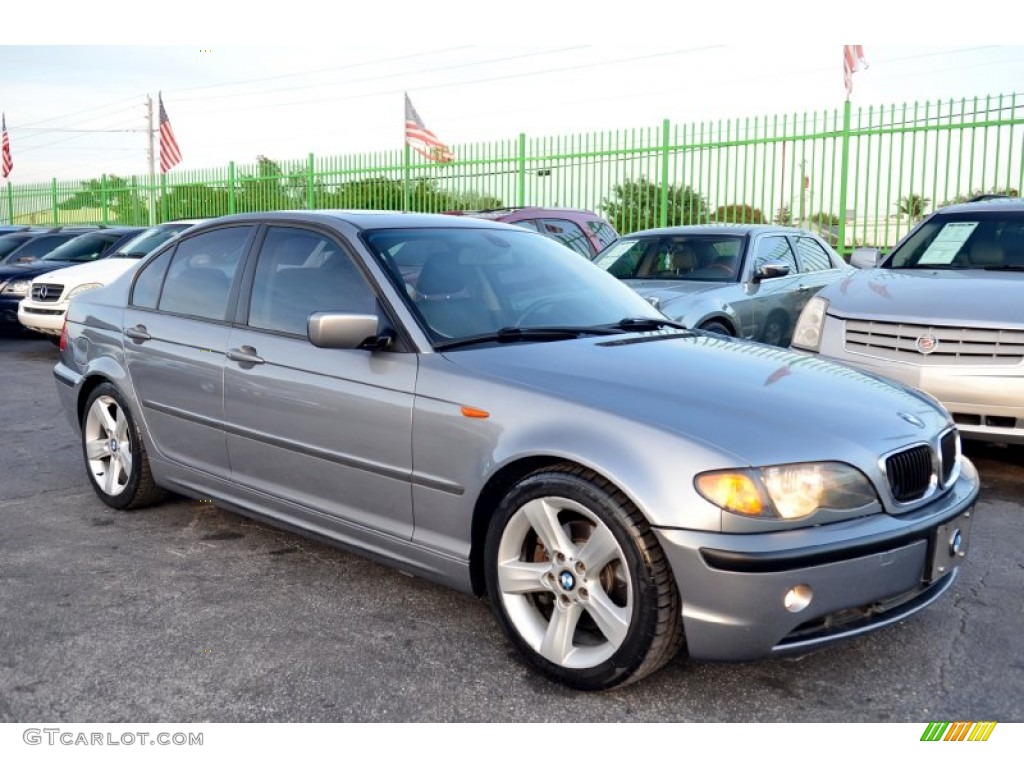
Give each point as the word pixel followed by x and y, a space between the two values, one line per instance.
pixel 84 248
pixel 472 282
pixel 36 248
pixel 973 240
pixel 10 242
pixel 706 258
pixel 146 241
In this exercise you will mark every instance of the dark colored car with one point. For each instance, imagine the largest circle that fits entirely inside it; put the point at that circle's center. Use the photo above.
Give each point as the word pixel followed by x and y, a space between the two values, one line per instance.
pixel 16 278
pixel 583 231
pixel 743 280
pixel 32 244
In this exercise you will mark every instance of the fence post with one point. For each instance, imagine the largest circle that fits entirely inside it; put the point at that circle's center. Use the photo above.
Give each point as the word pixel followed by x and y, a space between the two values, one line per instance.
pixel 663 217
pixel 231 186
pixel 405 180
pixel 53 198
pixel 103 199
pixel 310 196
pixel 844 172
pixel 10 203
pixel 163 198
pixel 521 195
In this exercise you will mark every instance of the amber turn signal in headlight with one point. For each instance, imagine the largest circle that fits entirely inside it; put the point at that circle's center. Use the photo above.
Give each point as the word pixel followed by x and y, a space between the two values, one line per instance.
pixel 734 491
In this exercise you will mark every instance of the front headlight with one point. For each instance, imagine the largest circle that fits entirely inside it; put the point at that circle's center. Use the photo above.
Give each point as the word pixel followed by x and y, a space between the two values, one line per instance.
pixel 83 288
pixel 788 492
pixel 807 334
pixel 17 288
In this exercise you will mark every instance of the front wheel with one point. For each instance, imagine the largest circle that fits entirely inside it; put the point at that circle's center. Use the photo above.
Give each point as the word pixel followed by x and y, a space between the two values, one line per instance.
pixel 115 455
pixel 579 582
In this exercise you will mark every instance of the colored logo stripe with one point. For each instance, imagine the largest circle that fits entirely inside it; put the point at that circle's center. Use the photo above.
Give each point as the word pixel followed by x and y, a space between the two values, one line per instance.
pixel 959 731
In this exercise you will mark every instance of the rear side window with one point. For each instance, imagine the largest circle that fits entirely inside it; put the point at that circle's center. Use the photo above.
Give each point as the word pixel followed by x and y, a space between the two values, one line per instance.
pixel 567 233
pixel 200 275
pixel 813 257
pixel 38 247
pixel 146 292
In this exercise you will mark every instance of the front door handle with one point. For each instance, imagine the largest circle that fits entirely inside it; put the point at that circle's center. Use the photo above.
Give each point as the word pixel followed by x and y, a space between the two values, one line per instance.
pixel 138 333
pixel 245 354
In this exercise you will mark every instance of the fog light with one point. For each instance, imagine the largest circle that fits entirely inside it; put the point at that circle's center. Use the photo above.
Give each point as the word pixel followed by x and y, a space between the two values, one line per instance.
pixel 798 598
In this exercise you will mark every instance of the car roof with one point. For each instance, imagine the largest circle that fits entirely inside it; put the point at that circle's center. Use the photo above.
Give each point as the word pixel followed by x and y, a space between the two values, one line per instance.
pixel 718 229
pixel 362 219
pixel 507 211
pixel 993 203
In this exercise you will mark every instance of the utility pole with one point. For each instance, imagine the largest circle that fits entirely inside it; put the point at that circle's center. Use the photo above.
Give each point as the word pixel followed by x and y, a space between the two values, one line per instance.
pixel 151 156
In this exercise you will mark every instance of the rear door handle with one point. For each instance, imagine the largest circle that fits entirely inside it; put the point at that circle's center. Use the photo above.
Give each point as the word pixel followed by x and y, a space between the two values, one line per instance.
pixel 245 354
pixel 138 333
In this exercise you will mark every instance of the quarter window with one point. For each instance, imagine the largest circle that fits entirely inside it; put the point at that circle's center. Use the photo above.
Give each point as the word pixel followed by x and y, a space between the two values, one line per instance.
pixel 146 292
pixel 201 272
pixel 300 272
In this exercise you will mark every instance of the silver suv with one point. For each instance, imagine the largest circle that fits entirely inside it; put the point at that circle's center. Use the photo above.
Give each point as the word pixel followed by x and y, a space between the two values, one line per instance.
pixel 941 313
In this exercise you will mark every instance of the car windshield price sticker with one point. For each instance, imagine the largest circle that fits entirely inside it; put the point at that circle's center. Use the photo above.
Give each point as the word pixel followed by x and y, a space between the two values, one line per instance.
pixel 948 243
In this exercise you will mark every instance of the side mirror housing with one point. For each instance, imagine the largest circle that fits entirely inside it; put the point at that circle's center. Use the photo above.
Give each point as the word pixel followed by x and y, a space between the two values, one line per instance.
pixel 345 330
pixel 865 258
pixel 769 269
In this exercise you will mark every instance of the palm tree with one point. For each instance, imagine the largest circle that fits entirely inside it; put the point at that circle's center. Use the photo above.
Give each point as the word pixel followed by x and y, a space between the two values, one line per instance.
pixel 912 206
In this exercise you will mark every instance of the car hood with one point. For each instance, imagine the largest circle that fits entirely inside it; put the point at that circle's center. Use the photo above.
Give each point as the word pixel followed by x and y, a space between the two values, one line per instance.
pixel 102 271
pixel 31 269
pixel 967 298
pixel 667 290
pixel 763 404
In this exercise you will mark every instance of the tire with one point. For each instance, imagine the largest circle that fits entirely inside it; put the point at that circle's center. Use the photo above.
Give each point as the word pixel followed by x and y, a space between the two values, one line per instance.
pixel 589 627
pixel 716 326
pixel 115 456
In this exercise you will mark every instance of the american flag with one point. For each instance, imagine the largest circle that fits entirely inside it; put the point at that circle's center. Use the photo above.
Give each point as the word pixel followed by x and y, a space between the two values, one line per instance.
pixel 170 155
pixel 423 140
pixel 853 57
pixel 8 164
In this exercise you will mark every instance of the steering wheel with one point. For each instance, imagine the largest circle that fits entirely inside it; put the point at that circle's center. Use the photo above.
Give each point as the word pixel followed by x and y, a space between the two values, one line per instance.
pixel 536 307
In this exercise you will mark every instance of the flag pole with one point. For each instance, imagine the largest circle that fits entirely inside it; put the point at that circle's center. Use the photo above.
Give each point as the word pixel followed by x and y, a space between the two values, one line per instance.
pixel 151 154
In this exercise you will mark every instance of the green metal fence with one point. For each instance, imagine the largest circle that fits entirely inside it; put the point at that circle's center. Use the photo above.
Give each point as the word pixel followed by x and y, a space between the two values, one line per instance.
pixel 859 176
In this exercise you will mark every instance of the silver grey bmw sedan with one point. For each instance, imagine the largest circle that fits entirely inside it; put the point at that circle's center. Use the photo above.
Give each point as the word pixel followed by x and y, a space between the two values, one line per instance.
pixel 475 404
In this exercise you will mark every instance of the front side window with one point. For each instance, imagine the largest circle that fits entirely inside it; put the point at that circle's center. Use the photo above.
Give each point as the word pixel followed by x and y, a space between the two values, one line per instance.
pixel 300 272
pixel 84 248
pixel 37 248
pixel 200 275
pixel 775 248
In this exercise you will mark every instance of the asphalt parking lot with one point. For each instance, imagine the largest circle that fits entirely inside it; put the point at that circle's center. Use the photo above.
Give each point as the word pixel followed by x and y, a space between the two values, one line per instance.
pixel 185 612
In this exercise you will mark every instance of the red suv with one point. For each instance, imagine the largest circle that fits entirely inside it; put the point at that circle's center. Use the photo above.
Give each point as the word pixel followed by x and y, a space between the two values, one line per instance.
pixel 583 231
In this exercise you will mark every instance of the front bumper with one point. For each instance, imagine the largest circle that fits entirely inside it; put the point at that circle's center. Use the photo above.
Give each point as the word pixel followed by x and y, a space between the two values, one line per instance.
pixel 860 575
pixel 42 318
pixel 9 311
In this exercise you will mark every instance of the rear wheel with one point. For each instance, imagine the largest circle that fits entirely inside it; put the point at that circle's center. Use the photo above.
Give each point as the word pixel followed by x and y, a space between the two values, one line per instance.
pixel 115 456
pixel 579 582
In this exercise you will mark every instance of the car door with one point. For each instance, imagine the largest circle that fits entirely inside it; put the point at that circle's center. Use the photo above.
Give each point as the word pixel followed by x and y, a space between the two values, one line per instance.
pixel 327 429
pixel 769 305
pixel 176 334
pixel 819 266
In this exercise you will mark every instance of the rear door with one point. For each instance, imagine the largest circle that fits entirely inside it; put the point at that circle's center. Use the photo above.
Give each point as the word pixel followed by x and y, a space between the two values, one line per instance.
pixel 176 333
pixel 328 429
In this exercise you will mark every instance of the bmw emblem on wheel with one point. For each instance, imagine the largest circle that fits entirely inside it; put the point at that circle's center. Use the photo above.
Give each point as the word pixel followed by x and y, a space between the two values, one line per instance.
pixel 926 344
pixel 566 580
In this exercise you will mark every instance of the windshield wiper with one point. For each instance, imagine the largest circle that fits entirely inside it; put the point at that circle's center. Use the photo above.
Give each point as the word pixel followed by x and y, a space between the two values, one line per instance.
pixel 1004 268
pixel 646 324
pixel 512 334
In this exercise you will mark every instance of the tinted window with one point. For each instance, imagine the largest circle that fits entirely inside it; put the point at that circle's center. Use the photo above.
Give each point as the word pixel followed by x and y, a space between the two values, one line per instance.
pixel 603 231
pixel 146 292
pixel 9 242
pixel 37 248
pixel 84 248
pixel 567 233
pixel 813 258
pixel 199 279
pixel 622 259
pixel 775 249
pixel 300 272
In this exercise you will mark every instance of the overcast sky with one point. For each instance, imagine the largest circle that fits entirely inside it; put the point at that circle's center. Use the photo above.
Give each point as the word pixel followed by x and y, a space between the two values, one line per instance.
pixel 308 83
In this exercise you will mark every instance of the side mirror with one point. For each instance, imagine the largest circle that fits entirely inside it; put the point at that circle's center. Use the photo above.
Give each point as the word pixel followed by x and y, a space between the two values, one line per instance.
pixel 769 269
pixel 865 258
pixel 345 330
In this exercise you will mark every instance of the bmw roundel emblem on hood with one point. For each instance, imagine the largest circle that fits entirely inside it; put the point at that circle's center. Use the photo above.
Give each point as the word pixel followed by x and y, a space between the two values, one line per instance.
pixel 910 418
